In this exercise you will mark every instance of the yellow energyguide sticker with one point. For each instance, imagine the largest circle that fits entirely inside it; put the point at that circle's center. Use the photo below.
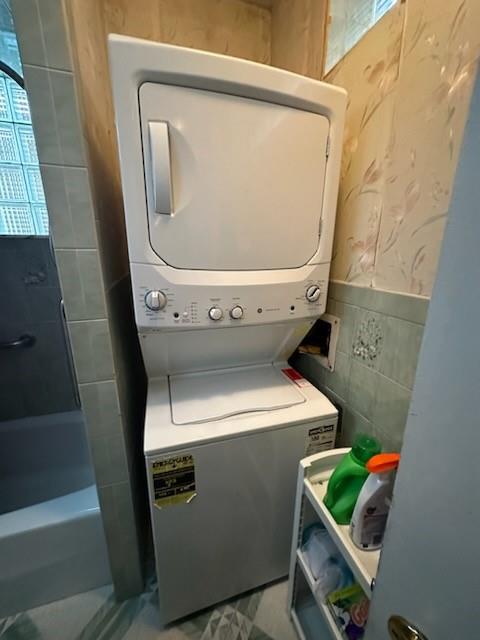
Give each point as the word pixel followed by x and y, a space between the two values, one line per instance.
pixel 173 480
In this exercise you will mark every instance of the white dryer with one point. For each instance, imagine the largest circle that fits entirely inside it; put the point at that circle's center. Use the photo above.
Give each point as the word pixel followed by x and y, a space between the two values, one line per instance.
pixel 230 176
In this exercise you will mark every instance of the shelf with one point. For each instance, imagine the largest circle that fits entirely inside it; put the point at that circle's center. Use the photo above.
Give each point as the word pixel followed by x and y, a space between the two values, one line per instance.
pixel 364 564
pixel 312 618
pixel 297 624
pixel 324 610
pixel 308 621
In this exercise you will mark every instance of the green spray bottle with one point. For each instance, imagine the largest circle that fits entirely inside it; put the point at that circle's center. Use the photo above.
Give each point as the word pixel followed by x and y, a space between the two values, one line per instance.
pixel 348 478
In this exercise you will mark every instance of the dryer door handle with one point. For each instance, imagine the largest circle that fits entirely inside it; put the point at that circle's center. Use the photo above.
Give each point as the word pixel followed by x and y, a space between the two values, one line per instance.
pixel 161 167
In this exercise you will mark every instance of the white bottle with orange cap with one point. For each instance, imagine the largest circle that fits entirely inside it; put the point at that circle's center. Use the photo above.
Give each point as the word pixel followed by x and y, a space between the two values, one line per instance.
pixel 369 518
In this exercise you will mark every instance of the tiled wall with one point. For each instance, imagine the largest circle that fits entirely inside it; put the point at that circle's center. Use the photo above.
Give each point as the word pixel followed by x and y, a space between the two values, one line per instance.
pixel 409 82
pixel 38 379
pixel 376 358
pixel 94 331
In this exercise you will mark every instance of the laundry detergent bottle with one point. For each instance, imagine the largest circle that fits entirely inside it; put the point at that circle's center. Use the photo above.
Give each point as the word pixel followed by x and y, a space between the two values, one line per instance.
pixel 369 518
pixel 348 478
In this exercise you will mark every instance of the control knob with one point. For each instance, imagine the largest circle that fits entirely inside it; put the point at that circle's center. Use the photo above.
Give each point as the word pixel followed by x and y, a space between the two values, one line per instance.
pixel 236 312
pixel 215 313
pixel 155 300
pixel 313 293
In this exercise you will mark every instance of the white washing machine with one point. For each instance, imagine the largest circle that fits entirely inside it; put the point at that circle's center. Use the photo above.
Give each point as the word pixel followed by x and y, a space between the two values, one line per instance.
pixel 230 176
pixel 222 453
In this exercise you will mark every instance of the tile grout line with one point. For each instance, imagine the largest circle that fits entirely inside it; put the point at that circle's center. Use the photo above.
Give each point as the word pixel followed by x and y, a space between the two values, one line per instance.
pixel 63 166
pixel 47 67
pixel 95 249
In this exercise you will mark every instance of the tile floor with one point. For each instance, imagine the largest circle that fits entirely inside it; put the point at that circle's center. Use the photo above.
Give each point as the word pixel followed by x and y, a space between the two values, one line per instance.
pixel 258 615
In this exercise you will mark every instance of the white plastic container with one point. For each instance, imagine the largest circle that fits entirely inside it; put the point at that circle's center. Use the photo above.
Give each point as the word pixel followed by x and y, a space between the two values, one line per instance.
pixel 369 519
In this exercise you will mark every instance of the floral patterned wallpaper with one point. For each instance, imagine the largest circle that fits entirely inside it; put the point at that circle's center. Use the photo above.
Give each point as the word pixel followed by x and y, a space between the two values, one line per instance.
pixel 409 82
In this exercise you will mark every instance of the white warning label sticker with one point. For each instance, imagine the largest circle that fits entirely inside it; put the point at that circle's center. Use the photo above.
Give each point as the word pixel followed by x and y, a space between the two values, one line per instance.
pixel 321 438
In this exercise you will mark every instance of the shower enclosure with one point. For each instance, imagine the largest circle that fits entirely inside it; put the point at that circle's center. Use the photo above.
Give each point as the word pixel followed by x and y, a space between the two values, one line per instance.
pixel 51 537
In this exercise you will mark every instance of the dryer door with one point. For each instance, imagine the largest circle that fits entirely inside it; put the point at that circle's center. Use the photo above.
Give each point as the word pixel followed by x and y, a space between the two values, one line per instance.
pixel 231 183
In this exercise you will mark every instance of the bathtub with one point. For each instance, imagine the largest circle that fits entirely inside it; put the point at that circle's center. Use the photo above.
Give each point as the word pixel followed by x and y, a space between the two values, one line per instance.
pixel 52 543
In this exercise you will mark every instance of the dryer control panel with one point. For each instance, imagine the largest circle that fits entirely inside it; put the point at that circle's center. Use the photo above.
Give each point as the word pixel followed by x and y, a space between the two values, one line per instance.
pixel 240 299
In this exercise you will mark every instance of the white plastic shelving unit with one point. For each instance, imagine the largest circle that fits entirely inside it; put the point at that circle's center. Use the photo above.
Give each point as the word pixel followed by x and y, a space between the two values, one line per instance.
pixel 311 616
pixel 324 610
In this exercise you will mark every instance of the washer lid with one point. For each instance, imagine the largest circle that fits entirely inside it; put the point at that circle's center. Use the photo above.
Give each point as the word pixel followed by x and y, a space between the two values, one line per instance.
pixel 215 395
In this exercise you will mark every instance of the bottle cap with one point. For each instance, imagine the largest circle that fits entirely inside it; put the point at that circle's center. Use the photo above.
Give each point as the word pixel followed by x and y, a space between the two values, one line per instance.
pixel 364 447
pixel 383 462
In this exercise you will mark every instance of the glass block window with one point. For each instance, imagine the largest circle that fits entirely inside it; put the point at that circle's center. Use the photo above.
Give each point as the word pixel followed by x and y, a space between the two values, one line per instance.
pixel 40 218
pixel 26 144
pixel 16 220
pixel 348 21
pixel 19 102
pixel 8 145
pixel 22 201
pixel 5 113
pixel 13 187
pixel 34 184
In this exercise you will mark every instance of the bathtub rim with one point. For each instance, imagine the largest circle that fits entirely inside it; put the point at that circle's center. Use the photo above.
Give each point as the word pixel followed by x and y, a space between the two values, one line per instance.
pixel 77 504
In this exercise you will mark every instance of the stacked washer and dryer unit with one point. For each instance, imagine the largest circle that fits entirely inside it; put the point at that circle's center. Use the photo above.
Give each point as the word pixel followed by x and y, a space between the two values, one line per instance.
pixel 230 175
